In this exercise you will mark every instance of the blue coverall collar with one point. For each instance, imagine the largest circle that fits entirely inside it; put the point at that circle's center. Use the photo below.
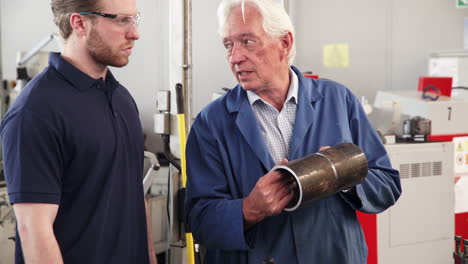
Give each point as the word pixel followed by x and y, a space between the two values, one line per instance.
pixel 238 95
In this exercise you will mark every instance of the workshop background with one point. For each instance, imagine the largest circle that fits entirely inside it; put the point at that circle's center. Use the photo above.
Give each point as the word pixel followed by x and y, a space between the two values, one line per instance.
pixel 367 45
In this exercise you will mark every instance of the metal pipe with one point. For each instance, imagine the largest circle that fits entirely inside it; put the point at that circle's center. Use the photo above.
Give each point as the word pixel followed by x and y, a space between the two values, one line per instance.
pixel 22 61
pixel 324 173
pixel 187 66
pixel 458 240
pixel 465 245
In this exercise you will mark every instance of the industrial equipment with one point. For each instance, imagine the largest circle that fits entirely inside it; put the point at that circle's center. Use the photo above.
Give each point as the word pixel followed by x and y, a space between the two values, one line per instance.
pixel 7 229
pixel 447 115
pixel 459 256
pixel 443 85
pixel 23 76
pixel 450 63
pixel 150 171
pixel 180 249
pixel 419 228
pixel 460 163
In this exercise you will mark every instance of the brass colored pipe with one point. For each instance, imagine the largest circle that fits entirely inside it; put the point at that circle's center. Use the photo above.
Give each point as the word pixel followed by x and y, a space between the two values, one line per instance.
pixel 324 173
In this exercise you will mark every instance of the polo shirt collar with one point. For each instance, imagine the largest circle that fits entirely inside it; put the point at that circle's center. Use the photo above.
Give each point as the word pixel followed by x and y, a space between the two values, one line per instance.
pixel 77 78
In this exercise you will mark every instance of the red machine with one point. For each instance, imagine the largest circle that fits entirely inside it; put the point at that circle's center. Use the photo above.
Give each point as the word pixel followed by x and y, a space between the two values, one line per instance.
pixel 440 85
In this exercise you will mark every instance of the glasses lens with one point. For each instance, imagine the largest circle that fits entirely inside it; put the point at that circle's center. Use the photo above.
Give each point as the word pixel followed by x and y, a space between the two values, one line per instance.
pixel 129 21
pixel 137 18
pixel 124 20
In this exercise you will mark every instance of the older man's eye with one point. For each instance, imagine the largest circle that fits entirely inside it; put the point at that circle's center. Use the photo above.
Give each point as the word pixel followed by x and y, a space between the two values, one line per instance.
pixel 248 42
pixel 228 46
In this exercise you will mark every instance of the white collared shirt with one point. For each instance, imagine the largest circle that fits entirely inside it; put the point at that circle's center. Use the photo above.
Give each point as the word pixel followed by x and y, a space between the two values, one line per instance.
pixel 277 127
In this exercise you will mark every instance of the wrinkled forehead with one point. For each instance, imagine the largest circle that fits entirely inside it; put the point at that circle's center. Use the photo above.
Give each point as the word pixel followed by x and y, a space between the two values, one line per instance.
pixel 121 7
pixel 245 11
pixel 247 20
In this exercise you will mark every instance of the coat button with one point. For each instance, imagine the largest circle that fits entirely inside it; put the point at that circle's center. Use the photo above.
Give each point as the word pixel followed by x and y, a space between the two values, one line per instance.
pixel 115 113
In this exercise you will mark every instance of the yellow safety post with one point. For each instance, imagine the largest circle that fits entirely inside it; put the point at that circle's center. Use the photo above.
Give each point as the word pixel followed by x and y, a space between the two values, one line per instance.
pixel 183 164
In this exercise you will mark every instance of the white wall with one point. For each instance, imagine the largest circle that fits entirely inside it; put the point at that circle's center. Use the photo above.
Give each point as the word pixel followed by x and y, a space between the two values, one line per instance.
pixel 211 70
pixel 25 22
pixel 389 41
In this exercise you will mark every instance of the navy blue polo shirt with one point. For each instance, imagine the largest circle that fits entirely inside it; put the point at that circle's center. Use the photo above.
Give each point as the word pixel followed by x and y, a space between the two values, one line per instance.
pixel 77 142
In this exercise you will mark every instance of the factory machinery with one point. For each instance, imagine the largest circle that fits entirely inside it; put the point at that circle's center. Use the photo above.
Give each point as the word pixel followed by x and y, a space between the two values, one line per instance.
pixel 419 228
pixel 7 228
pixel 459 256
pixel 419 126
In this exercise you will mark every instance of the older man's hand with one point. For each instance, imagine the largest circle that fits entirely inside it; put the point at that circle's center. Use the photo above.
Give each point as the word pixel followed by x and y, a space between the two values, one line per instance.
pixel 269 197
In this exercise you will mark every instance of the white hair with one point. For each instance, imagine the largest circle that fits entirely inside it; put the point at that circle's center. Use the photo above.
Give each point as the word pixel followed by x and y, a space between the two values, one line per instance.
pixel 276 22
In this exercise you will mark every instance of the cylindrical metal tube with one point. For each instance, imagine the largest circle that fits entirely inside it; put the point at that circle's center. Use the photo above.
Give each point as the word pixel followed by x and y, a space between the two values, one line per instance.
pixel 458 240
pixel 324 173
pixel 465 244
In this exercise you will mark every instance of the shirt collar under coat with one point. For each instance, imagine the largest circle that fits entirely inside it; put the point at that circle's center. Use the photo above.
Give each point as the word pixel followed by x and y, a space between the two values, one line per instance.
pixel 237 101
pixel 77 78
pixel 292 91
pixel 238 95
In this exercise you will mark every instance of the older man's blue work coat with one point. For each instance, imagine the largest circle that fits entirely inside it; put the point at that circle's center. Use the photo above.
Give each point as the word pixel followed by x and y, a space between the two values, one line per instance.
pixel 226 155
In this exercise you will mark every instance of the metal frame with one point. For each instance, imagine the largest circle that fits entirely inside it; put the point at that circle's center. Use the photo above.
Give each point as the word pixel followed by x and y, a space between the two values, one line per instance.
pixel 187 66
pixel 36 49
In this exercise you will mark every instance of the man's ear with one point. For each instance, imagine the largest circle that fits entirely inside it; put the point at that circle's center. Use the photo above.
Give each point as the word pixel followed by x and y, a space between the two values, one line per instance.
pixel 78 23
pixel 287 41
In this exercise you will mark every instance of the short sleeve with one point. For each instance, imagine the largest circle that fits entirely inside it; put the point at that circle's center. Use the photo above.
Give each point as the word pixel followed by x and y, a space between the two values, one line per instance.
pixel 31 158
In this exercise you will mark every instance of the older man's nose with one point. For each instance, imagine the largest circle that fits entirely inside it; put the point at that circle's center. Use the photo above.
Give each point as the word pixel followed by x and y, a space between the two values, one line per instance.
pixel 237 55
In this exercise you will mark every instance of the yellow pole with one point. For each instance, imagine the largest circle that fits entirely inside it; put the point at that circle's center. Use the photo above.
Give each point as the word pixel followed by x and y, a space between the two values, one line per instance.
pixel 182 139
pixel 183 166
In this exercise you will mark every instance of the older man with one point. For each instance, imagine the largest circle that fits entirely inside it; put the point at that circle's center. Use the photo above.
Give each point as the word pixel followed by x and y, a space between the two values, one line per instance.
pixel 73 146
pixel 234 205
